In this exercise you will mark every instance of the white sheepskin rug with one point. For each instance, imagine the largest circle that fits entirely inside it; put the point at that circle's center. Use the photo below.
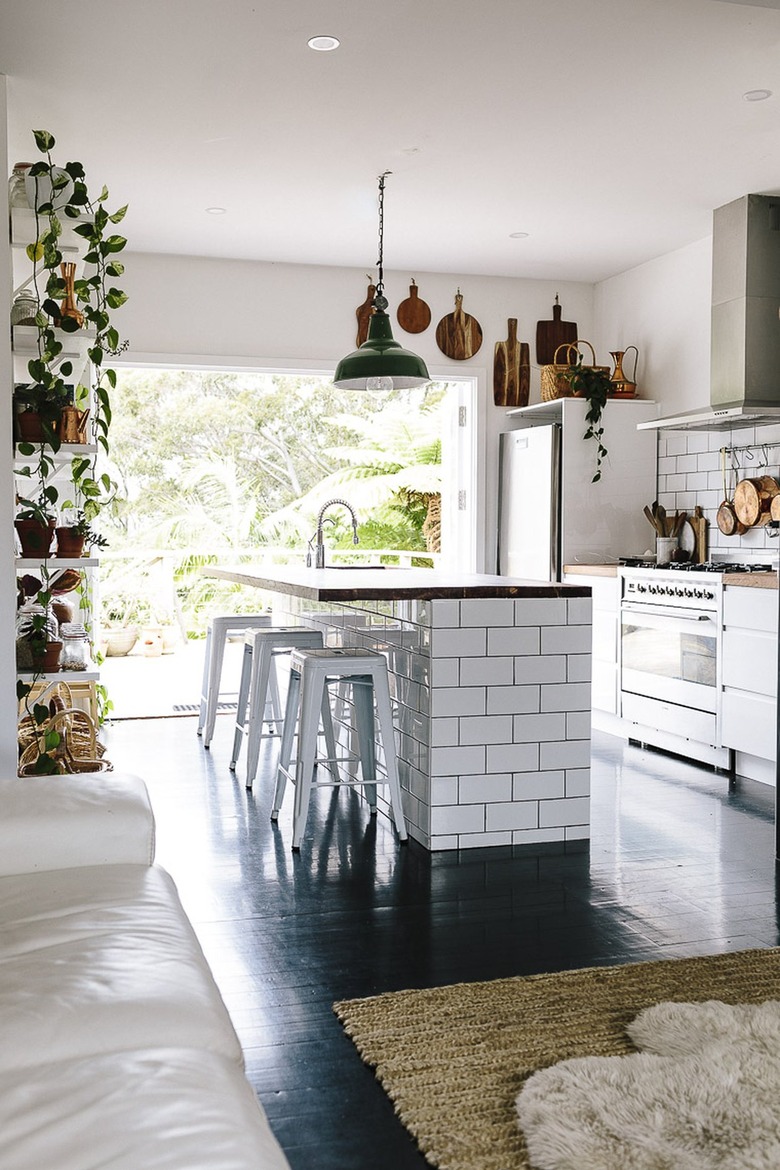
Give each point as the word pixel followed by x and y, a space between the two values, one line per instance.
pixel 702 1093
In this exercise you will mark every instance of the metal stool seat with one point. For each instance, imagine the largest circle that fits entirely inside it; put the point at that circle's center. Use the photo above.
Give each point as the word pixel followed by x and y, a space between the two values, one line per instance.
pixel 262 647
pixel 218 631
pixel 311 672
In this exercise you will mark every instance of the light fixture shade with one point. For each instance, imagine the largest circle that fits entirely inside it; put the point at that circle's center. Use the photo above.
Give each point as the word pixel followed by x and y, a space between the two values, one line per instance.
pixel 380 363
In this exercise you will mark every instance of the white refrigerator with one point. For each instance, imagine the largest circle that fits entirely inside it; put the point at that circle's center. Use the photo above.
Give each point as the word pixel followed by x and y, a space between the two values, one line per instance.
pixel 550 513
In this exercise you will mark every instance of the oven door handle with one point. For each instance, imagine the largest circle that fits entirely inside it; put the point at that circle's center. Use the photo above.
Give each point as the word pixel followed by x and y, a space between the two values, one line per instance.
pixel 668 611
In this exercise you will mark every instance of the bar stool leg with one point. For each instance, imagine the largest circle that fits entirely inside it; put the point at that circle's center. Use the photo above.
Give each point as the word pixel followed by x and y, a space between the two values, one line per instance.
pixel 258 689
pixel 243 695
pixel 204 686
pixel 363 699
pixel 326 717
pixel 385 720
pixel 217 655
pixel 312 687
pixel 288 734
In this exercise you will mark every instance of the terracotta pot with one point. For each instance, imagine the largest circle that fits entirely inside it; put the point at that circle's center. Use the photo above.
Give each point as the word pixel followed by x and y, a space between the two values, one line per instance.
pixel 35 537
pixel 28 427
pixel 49 660
pixel 69 542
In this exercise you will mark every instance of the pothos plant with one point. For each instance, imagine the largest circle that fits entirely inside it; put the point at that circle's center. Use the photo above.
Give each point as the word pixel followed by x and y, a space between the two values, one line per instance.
pixel 61 193
pixel 593 384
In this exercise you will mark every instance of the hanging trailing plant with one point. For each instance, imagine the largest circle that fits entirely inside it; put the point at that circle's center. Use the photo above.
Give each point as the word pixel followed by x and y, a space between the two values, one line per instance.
pixel 66 305
pixel 593 384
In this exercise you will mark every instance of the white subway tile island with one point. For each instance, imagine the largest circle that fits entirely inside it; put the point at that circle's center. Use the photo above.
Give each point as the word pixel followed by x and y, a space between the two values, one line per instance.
pixel 490 678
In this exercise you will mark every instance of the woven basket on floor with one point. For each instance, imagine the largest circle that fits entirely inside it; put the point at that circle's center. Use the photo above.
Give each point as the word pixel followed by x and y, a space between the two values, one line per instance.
pixel 555 377
pixel 79 749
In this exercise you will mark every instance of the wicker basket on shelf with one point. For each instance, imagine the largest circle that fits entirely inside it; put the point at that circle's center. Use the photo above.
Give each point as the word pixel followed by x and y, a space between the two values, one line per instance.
pixel 555 377
pixel 79 749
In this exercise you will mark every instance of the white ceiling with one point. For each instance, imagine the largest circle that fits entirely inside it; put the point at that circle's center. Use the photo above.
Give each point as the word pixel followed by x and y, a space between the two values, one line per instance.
pixel 608 129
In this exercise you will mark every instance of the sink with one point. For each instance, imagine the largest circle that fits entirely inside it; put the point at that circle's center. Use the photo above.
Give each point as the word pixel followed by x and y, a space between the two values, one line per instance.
pixel 357 568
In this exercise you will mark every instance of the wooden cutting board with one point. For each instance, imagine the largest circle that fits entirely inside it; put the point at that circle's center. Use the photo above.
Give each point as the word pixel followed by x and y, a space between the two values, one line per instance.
pixel 699 525
pixel 551 334
pixel 364 313
pixel 459 335
pixel 511 369
pixel 413 315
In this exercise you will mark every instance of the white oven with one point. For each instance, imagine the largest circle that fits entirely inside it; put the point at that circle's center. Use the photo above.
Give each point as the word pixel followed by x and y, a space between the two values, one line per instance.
pixel 669 656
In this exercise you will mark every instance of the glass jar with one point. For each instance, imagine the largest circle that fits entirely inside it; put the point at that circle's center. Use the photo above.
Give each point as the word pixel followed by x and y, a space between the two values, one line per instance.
pixel 75 647
pixel 17 192
pixel 24 308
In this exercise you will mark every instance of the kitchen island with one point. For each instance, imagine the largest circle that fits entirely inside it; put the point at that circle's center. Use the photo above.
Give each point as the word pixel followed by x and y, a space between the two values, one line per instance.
pixel 490 678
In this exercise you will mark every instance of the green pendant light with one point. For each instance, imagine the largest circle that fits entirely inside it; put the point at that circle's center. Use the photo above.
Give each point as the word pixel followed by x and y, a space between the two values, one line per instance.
pixel 380 363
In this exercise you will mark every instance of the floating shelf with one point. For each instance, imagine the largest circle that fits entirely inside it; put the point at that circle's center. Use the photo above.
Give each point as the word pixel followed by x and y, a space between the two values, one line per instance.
pixel 54 563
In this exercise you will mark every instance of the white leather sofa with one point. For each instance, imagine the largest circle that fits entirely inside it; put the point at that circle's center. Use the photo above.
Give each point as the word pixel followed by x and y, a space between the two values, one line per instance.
pixel 116 1050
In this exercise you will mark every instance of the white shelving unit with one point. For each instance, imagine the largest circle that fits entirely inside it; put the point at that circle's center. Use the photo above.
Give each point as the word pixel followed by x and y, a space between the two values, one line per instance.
pixel 75 347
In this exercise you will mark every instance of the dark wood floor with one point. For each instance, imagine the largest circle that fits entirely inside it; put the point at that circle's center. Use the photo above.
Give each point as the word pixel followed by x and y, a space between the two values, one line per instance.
pixel 678 865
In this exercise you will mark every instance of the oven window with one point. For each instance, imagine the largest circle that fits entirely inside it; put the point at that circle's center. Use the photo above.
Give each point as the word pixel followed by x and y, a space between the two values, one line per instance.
pixel 669 653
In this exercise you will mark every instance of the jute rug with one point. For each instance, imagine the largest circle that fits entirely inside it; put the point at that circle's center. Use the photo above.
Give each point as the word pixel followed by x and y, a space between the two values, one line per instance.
pixel 453 1059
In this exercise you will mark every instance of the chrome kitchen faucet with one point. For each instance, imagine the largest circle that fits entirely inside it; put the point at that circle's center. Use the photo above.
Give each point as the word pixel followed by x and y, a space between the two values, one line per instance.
pixel 319 552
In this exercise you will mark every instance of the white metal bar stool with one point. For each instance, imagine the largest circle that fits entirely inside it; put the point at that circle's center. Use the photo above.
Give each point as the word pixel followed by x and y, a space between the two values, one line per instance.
pixel 262 648
pixel 218 631
pixel 311 671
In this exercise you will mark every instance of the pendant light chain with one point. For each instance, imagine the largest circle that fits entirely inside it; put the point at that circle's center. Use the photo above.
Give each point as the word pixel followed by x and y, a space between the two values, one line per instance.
pixel 380 301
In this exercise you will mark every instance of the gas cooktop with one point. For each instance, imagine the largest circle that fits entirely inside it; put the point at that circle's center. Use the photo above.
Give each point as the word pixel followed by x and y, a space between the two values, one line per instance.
pixel 691 567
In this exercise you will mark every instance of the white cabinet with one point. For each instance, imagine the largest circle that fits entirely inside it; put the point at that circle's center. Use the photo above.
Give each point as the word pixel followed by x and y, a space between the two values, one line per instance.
pixel 749 698
pixel 606 595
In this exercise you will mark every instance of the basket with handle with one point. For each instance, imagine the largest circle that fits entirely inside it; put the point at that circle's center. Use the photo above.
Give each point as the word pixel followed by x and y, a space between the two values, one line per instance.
pixel 555 377
pixel 79 749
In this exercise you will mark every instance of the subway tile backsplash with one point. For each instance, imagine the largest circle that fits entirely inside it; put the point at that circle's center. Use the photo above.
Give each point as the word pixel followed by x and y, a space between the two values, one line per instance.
pixel 690 474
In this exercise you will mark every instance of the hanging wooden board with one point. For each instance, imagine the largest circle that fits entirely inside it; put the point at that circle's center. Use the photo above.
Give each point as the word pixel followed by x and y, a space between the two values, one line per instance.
pixel 551 334
pixel 364 313
pixel 511 369
pixel 413 315
pixel 459 335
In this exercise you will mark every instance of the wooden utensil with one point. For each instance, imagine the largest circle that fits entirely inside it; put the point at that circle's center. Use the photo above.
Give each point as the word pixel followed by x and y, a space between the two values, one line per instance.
pixel 511 369
pixel 413 315
pixel 364 313
pixel 552 334
pixel 698 523
pixel 458 334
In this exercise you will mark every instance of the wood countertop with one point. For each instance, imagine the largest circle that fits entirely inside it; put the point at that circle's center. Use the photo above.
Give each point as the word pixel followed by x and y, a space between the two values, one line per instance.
pixel 592 570
pixel 376 584
pixel 751 580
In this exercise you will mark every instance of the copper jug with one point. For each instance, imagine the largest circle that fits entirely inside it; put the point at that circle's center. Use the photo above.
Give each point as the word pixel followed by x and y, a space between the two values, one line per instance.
pixel 620 385
pixel 73 425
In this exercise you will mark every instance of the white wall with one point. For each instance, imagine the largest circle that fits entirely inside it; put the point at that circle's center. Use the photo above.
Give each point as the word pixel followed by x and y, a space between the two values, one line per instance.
pixel 195 310
pixel 662 307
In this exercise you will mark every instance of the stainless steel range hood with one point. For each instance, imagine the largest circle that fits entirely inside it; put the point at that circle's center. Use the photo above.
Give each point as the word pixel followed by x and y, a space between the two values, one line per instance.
pixel 745 345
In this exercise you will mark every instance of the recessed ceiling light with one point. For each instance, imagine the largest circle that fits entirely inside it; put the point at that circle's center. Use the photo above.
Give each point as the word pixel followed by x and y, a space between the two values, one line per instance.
pixel 519 235
pixel 216 210
pixel 757 95
pixel 323 44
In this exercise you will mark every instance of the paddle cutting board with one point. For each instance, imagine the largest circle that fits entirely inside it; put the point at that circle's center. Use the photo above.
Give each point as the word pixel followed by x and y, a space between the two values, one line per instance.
pixel 364 313
pixel 459 335
pixel 511 369
pixel 413 315
pixel 551 334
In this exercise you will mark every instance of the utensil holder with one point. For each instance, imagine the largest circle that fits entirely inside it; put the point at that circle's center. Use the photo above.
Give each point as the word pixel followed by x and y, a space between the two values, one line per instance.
pixel 664 547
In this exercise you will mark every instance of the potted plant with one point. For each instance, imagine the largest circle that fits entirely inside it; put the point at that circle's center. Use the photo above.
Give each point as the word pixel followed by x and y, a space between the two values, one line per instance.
pixel 75 534
pixel 39 407
pixel 34 524
pixel 593 384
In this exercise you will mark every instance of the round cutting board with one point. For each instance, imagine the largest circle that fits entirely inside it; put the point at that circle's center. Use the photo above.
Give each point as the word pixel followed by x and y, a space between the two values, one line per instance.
pixel 459 335
pixel 413 315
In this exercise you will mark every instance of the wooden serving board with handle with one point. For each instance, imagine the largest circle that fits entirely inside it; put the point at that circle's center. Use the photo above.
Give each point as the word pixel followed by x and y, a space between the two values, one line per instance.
pixel 552 334
pixel 459 335
pixel 511 369
pixel 364 314
pixel 699 525
pixel 413 315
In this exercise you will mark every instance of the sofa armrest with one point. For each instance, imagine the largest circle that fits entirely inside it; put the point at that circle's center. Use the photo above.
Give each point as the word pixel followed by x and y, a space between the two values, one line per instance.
pixel 62 822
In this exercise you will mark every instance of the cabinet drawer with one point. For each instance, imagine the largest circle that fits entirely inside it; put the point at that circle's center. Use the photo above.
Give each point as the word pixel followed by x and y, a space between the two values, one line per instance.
pixel 748 724
pixel 752 609
pixel 750 661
